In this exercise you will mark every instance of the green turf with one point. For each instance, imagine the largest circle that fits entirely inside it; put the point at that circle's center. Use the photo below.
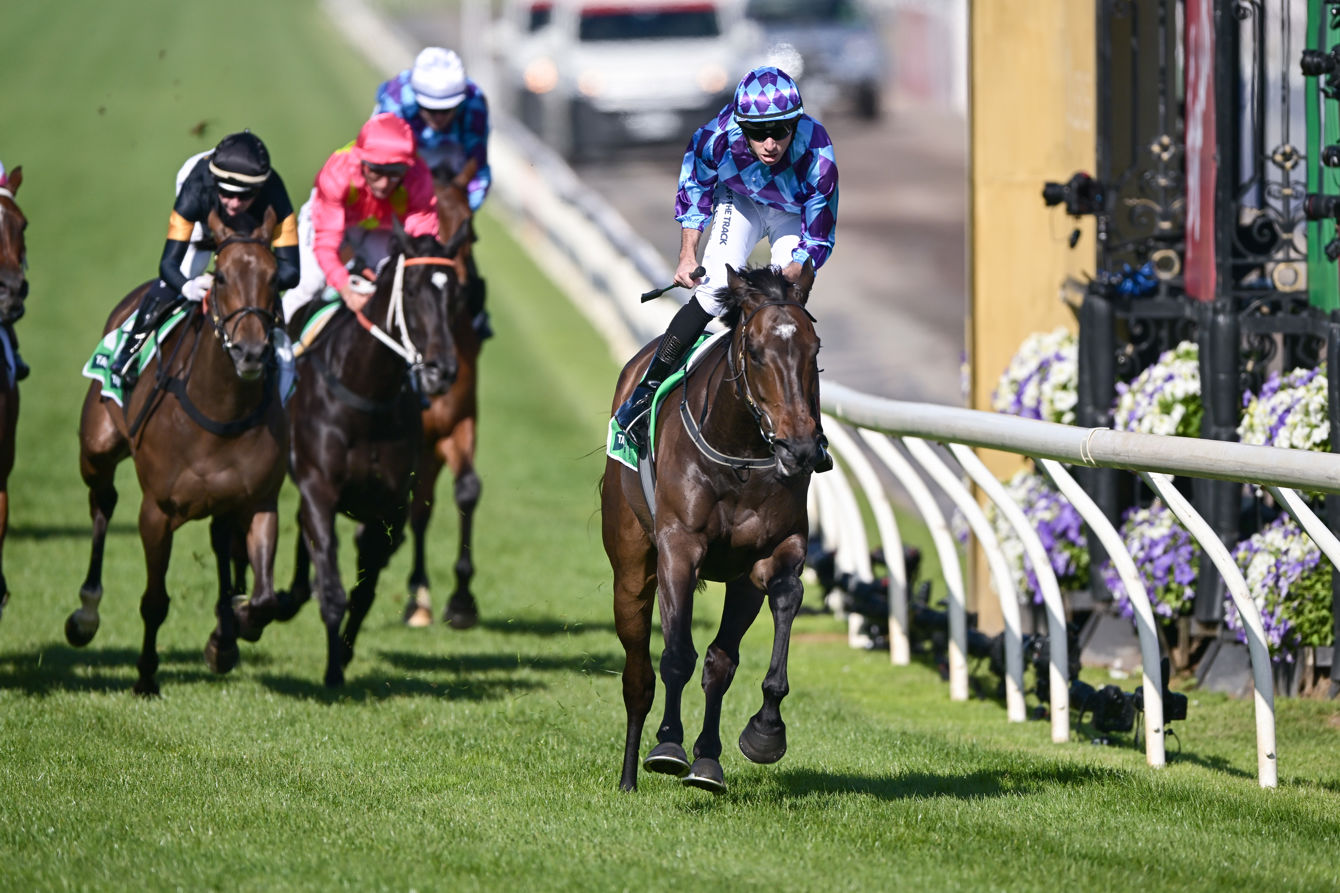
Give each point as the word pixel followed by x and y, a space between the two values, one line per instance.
pixel 487 759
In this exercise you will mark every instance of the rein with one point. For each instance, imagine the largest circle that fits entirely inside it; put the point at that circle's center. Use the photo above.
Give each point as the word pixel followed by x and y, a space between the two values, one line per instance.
pixel 739 374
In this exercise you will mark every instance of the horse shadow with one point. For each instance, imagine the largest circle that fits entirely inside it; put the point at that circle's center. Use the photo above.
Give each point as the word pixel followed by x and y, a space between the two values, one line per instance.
pixel 474 664
pixel 544 626
pixel 103 670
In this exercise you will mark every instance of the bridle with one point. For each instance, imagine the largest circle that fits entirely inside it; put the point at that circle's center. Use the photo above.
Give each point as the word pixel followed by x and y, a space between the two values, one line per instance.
pixel 220 324
pixel 6 192
pixel 395 311
pixel 739 374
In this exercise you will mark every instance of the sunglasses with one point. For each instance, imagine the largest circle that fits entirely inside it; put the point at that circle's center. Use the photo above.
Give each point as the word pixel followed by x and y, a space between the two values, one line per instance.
pixel 760 132
pixel 246 195
pixel 386 170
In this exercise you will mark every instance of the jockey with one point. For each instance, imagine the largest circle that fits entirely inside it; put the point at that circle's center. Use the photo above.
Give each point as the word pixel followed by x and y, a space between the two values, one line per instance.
pixel 21 369
pixel 761 168
pixel 234 179
pixel 358 191
pixel 450 118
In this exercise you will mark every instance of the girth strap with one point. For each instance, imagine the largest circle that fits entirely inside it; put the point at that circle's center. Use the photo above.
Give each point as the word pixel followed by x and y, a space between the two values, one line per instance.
pixel 177 387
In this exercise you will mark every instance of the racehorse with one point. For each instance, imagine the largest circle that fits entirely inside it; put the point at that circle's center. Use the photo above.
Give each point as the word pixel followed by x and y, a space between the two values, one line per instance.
pixel 728 505
pixel 355 430
pixel 449 423
pixel 13 291
pixel 206 427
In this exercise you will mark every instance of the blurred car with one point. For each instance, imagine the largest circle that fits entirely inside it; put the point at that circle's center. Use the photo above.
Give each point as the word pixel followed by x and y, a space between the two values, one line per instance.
pixel 839 42
pixel 601 74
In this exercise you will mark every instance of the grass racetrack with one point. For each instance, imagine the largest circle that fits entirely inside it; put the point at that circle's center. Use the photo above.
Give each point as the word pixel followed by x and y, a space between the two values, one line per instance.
pixel 486 759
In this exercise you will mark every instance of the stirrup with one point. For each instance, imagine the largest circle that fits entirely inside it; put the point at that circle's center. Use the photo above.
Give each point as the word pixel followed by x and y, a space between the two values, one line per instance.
pixel 481 325
pixel 633 415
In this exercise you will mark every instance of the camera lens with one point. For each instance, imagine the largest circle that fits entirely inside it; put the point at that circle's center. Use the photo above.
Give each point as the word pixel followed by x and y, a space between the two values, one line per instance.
pixel 1330 156
pixel 1317 62
pixel 1317 206
pixel 1053 193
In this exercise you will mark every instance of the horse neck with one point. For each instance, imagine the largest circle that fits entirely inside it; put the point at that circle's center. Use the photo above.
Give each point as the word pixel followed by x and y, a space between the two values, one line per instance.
pixel 362 362
pixel 729 425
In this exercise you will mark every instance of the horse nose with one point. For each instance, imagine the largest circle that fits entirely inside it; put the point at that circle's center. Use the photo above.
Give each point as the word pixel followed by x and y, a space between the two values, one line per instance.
pixel 249 358
pixel 795 455
pixel 435 379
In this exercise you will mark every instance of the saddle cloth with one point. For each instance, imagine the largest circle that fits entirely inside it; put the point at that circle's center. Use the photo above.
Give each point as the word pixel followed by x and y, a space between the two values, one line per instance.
pixel 99 367
pixel 617 445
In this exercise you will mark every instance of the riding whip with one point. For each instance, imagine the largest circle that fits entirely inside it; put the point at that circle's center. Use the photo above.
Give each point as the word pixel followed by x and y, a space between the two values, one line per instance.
pixel 657 292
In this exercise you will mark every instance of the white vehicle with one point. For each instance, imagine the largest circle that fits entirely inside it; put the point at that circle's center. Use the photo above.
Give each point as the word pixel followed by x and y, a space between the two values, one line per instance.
pixel 599 74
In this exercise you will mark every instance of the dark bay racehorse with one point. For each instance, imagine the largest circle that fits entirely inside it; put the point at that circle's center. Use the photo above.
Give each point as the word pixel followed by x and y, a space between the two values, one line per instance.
pixel 355 431
pixel 207 431
pixel 13 291
pixel 449 424
pixel 733 448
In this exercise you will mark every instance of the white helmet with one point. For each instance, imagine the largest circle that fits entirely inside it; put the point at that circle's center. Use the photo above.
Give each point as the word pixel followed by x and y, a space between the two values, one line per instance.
pixel 438 79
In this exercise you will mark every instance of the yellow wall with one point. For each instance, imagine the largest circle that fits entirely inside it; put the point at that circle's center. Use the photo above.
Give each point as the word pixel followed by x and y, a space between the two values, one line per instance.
pixel 1031 119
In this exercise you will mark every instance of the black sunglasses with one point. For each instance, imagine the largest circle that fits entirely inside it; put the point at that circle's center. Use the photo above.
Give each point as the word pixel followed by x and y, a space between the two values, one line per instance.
pixel 760 132
pixel 244 195
pixel 387 170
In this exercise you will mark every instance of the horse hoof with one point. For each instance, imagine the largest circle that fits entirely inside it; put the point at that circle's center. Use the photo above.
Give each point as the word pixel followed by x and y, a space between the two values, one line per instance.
pixel 761 747
pixel 334 678
pixel 419 609
pixel 220 659
pixel 668 758
pixel 76 635
pixel 462 613
pixel 290 602
pixel 706 775
pixel 146 688
pixel 246 630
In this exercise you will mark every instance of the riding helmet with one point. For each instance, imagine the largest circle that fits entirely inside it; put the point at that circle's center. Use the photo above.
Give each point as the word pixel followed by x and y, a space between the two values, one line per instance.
pixel 767 94
pixel 438 79
pixel 240 162
pixel 385 139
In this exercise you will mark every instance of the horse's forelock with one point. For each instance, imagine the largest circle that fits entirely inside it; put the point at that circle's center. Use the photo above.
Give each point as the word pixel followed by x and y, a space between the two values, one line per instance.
pixel 758 285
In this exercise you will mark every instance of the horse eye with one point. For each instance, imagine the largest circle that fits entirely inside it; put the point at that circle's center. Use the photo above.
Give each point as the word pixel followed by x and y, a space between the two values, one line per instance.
pixel 440 281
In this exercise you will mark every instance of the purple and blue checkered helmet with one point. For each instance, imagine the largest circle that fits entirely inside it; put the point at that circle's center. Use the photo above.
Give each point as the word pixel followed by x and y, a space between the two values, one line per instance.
pixel 767 94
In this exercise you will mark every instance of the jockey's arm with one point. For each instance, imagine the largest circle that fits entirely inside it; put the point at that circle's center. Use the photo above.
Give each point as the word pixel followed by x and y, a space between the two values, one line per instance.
pixel 688 256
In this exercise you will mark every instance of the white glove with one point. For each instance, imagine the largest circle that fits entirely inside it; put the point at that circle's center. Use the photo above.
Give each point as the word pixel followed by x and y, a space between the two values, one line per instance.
pixel 196 289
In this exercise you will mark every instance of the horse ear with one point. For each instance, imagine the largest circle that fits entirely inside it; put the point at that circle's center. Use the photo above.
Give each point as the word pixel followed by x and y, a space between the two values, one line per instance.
pixel 734 281
pixel 398 232
pixel 217 227
pixel 453 245
pixel 15 178
pixel 800 290
pixel 265 231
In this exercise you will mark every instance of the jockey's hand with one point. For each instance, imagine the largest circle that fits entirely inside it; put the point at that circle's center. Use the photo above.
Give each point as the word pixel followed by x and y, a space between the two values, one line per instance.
pixel 354 298
pixel 684 273
pixel 196 289
pixel 791 272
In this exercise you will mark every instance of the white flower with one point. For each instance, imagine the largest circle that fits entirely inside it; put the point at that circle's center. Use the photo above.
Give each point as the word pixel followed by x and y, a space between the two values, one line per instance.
pixel 1042 379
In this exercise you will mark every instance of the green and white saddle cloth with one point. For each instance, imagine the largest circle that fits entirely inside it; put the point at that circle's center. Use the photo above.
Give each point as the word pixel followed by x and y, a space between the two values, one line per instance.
pixel 99 366
pixel 617 445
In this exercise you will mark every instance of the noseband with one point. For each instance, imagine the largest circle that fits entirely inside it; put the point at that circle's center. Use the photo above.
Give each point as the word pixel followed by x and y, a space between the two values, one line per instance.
pixel 395 313
pixel 220 324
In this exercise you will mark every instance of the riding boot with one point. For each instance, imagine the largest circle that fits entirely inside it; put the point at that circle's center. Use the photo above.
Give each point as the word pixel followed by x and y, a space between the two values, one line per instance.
pixel 479 317
pixel 126 361
pixel 679 338
pixel 21 369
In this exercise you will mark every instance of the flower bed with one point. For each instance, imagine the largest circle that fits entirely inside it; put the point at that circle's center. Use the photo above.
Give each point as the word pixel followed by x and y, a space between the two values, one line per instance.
pixel 1290 582
pixel 1042 380
pixel 1166 557
pixel 1060 528
pixel 1289 412
pixel 1165 397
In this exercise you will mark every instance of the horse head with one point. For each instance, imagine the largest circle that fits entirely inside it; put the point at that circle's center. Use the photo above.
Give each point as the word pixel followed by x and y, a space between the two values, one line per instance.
pixel 13 253
pixel 414 292
pixel 455 218
pixel 775 360
pixel 241 304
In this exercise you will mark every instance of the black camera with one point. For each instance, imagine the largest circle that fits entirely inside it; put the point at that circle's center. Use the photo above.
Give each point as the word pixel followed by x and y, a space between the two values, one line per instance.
pixel 1319 63
pixel 1317 206
pixel 1112 709
pixel 1174 703
pixel 1330 155
pixel 1081 195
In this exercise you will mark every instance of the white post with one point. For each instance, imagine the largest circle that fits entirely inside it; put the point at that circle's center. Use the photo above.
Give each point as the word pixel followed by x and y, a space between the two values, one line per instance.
pixel 1257 649
pixel 1015 708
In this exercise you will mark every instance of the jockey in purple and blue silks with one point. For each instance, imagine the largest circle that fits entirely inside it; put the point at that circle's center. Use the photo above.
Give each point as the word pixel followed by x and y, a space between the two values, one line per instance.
pixel 761 168
pixel 447 112
pixel 450 119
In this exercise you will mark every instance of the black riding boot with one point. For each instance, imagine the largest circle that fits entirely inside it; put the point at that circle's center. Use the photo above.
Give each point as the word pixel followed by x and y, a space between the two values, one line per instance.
pixel 147 316
pixel 474 303
pixel 678 339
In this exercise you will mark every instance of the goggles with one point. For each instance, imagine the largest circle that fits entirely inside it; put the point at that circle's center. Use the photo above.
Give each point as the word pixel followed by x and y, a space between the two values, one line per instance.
pixel 386 170
pixel 776 130
pixel 228 190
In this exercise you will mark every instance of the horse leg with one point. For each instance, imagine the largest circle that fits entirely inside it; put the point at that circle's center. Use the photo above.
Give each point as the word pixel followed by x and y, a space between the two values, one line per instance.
pixel 266 605
pixel 764 737
pixel 317 523
pixel 676 576
pixel 156 534
pixel 221 649
pixel 419 604
pixel 743 601
pixel 101 449
pixel 634 585
pixel 462 612
pixel 4 528
pixel 375 544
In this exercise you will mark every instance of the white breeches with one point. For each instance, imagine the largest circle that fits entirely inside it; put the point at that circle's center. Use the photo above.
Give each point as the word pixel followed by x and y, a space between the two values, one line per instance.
pixel 370 246
pixel 738 224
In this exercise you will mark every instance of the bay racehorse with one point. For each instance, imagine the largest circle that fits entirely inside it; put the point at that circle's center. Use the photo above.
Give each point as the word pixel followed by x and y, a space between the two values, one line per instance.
pixel 206 428
pixel 355 430
pixel 13 291
pixel 733 451
pixel 449 422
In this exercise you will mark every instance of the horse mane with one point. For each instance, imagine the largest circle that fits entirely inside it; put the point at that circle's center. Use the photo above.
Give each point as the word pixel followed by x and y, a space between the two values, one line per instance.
pixel 765 281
